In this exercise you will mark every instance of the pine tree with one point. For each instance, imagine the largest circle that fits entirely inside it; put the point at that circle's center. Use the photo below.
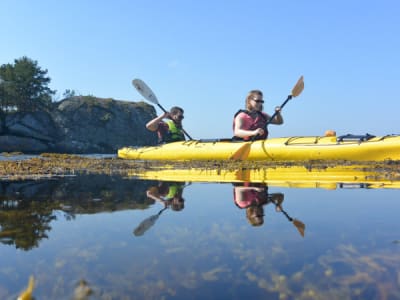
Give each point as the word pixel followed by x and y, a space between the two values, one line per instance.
pixel 24 86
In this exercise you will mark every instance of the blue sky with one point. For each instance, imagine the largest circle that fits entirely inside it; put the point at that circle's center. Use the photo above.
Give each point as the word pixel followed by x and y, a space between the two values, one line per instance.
pixel 206 55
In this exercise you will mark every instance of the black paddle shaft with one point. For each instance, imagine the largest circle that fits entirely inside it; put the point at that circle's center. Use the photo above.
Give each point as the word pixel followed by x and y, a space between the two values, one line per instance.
pixel 275 113
pixel 286 215
pixel 276 205
pixel 183 130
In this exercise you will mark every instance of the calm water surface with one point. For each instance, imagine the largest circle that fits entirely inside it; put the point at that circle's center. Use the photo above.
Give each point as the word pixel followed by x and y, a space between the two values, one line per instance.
pixel 107 231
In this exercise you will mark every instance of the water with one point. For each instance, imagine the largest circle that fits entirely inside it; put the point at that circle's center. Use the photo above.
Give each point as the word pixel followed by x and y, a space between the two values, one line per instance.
pixel 21 156
pixel 86 228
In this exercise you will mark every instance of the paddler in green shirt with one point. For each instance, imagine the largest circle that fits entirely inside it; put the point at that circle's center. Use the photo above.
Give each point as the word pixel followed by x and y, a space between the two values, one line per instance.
pixel 170 130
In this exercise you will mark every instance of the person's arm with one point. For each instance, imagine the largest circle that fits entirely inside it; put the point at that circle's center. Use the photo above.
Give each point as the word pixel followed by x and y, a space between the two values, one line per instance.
pixel 278 120
pixel 158 198
pixel 153 124
pixel 239 132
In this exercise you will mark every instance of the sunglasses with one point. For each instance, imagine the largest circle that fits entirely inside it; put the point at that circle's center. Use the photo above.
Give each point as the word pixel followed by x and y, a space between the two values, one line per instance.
pixel 258 101
pixel 180 117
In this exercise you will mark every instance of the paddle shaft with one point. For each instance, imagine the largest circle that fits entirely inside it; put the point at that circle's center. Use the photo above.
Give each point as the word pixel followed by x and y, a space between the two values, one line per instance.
pixel 160 212
pixel 287 216
pixel 183 130
pixel 275 113
pixel 276 205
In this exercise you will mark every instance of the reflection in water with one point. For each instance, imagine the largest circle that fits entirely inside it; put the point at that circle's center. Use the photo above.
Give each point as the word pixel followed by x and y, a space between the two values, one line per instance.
pixel 25 226
pixel 205 250
pixel 170 194
pixel 27 293
pixel 28 207
pixel 254 196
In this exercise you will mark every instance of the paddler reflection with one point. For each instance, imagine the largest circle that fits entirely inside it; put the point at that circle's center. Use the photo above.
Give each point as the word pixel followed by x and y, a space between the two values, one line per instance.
pixel 254 196
pixel 167 193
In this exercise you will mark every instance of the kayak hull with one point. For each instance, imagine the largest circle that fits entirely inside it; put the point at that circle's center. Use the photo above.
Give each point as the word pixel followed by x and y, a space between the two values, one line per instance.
pixel 379 148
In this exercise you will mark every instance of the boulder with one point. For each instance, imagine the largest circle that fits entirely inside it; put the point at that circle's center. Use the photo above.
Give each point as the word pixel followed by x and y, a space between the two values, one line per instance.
pixel 10 143
pixel 82 124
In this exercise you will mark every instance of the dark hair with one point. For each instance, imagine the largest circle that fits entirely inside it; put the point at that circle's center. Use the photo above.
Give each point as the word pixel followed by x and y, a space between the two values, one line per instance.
pixel 176 109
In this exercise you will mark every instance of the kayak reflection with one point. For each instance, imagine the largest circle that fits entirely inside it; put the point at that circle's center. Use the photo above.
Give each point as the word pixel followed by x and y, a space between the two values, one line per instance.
pixel 167 193
pixel 254 196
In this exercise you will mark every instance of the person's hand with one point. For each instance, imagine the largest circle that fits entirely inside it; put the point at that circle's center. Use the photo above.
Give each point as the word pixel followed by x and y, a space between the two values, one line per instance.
pixel 258 131
pixel 278 109
pixel 166 115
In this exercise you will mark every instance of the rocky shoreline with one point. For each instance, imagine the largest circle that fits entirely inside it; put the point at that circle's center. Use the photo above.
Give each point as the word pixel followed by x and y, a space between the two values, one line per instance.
pixel 50 165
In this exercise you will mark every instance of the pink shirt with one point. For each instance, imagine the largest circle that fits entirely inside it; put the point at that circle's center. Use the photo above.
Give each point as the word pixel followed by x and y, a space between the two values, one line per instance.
pixel 251 123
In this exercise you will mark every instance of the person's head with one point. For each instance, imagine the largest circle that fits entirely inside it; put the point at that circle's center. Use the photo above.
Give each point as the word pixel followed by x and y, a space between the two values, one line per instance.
pixel 174 196
pixel 254 100
pixel 176 114
pixel 177 203
pixel 255 215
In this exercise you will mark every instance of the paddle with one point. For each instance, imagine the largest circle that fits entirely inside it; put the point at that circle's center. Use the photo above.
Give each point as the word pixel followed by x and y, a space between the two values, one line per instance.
pixel 297 89
pixel 301 227
pixel 147 223
pixel 148 94
pixel 298 224
pixel 243 152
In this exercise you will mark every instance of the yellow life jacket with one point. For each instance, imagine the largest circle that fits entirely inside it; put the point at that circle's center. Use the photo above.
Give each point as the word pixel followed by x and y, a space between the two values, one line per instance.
pixel 175 134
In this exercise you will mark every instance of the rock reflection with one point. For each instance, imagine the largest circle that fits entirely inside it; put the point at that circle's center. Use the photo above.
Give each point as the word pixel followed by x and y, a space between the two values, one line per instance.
pixel 27 208
pixel 254 196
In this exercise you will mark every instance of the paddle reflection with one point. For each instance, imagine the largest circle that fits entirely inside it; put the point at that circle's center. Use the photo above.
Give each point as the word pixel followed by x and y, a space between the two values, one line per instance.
pixel 254 196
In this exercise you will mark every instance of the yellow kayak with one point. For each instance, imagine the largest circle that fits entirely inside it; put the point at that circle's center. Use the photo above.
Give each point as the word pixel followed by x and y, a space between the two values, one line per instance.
pixel 297 148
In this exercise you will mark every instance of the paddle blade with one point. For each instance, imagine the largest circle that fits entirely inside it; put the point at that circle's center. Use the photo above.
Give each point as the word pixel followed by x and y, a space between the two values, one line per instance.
pixel 298 88
pixel 145 225
pixel 301 227
pixel 242 153
pixel 144 90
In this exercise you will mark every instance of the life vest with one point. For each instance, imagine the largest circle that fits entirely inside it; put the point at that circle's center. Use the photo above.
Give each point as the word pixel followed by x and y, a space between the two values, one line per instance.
pixel 251 197
pixel 174 190
pixel 252 121
pixel 174 133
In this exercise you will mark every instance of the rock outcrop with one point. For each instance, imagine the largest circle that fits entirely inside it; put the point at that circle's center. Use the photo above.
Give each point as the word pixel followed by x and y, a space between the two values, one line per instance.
pixel 79 125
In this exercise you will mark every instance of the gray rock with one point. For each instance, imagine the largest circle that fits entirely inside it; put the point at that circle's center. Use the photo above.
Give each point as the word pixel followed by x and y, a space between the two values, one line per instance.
pixel 79 125
pixel 37 125
pixel 10 143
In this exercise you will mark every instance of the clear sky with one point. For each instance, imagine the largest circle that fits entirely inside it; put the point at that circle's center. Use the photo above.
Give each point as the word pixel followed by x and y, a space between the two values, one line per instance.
pixel 206 55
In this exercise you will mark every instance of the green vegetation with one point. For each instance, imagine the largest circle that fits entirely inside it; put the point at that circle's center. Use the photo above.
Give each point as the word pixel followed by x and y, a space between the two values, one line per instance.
pixel 24 87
